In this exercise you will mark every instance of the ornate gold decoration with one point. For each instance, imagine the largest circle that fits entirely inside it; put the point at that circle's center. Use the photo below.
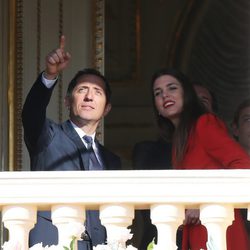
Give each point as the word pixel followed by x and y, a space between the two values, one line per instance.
pixel 11 80
pixel 60 81
pixel 15 70
pixel 19 85
pixel 99 50
pixel 99 35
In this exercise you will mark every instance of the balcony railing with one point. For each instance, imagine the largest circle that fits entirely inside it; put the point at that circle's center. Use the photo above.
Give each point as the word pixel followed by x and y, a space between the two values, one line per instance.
pixel 118 193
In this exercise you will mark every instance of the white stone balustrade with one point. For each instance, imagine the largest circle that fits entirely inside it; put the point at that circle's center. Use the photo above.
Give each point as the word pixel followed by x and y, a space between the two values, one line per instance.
pixel 167 218
pixel 61 215
pixel 19 220
pixel 115 218
pixel 118 193
pixel 217 223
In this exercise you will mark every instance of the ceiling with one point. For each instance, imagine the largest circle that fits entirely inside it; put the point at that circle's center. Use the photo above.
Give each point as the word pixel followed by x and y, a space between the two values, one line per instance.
pixel 207 39
pixel 212 47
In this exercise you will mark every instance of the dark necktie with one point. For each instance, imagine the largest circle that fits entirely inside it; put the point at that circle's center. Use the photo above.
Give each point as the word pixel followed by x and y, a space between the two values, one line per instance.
pixel 96 231
pixel 93 162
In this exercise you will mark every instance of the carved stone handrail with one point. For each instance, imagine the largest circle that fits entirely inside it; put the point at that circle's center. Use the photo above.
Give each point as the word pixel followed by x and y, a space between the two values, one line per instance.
pixel 118 193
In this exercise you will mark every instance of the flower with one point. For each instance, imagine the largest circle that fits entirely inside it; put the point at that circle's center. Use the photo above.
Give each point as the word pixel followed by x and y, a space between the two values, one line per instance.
pixel 120 236
pixel 74 230
pixel 39 246
pixel 113 247
pixel 153 246
pixel 11 245
pixel 130 247
pixel 118 241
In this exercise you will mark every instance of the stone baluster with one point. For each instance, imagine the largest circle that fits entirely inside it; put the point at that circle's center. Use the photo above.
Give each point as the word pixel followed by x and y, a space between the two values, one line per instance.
pixel 19 220
pixel 116 219
pixel 66 218
pixel 167 218
pixel 216 218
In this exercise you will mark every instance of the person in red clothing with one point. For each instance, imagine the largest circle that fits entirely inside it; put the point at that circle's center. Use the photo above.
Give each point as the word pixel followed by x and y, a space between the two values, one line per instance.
pixel 200 141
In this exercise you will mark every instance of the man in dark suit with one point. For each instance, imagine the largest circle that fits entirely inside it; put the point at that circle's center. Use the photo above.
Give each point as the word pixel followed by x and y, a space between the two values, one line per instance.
pixel 72 144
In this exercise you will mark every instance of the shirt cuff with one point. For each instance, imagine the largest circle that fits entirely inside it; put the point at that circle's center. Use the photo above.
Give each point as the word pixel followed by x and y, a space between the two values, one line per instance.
pixel 48 83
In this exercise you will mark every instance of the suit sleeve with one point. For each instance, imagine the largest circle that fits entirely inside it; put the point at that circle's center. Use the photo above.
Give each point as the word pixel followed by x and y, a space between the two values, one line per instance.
pixel 34 112
pixel 218 143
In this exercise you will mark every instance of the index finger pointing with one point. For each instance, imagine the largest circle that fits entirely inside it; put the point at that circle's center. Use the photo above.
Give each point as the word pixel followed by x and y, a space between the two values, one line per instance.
pixel 62 42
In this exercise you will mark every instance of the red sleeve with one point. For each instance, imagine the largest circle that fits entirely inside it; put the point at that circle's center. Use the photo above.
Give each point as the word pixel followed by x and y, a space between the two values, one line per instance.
pixel 218 143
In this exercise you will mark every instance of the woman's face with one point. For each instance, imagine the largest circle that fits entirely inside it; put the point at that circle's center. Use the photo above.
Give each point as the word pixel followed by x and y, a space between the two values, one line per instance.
pixel 168 96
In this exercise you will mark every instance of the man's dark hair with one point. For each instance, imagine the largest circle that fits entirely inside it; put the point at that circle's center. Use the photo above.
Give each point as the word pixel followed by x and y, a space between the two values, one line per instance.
pixel 242 105
pixel 90 71
pixel 215 106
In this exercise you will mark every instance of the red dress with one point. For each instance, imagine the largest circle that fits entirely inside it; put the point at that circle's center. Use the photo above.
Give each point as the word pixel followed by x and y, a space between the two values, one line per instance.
pixel 211 147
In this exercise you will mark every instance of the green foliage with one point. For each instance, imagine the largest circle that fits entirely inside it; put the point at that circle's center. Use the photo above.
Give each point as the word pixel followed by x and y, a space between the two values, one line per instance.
pixel 151 245
pixel 71 246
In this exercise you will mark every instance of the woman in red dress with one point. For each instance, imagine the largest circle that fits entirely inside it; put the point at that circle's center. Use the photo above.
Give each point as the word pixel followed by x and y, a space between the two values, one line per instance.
pixel 200 141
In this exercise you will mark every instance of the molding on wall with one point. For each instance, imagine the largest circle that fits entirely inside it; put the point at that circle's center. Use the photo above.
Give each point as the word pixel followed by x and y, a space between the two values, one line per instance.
pixel 19 86
pixel 11 81
pixel 4 54
pixel 15 83
pixel 60 81
pixel 99 45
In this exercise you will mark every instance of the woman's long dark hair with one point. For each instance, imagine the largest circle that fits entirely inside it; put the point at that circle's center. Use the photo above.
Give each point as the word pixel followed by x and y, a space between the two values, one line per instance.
pixel 192 110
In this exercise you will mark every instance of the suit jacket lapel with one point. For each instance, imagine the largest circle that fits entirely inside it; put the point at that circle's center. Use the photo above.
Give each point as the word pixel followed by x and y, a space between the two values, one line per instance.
pixel 101 151
pixel 72 134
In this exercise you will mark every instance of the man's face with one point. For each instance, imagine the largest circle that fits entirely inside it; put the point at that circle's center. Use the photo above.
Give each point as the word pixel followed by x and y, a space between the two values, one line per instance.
pixel 87 102
pixel 242 131
pixel 205 97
